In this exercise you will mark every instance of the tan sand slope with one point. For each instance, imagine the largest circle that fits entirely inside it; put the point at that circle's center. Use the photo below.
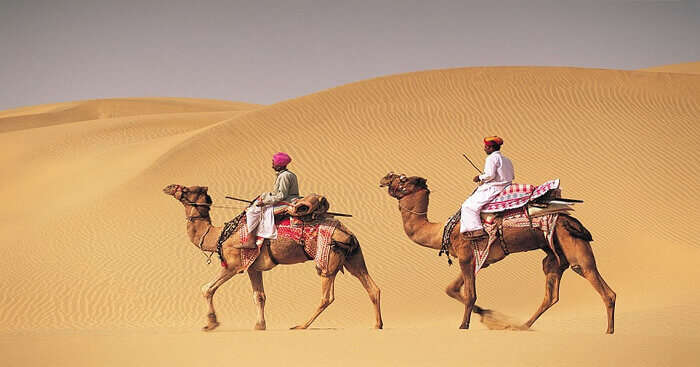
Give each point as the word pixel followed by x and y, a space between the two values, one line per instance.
pixel 52 114
pixel 684 68
pixel 94 247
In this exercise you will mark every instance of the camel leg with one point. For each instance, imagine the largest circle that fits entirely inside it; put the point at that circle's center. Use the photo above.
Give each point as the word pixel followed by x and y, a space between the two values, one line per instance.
pixel 327 297
pixel 590 272
pixel 357 267
pixel 579 254
pixel 469 289
pixel 208 291
pixel 256 282
pixel 553 272
pixel 454 289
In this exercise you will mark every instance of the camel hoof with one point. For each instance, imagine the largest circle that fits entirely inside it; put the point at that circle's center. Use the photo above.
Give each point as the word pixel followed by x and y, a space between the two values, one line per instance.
pixel 379 326
pixel 260 326
pixel 210 327
pixel 298 327
pixel 464 327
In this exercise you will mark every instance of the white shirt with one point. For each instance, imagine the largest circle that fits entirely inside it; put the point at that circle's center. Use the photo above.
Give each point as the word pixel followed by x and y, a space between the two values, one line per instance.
pixel 498 170
pixel 286 188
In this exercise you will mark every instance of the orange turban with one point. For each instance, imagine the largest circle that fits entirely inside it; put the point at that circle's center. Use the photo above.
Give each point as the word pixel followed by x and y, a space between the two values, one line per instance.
pixel 493 140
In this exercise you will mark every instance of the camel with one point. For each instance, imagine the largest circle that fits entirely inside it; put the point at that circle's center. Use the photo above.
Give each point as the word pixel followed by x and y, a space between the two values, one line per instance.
pixel 571 241
pixel 283 251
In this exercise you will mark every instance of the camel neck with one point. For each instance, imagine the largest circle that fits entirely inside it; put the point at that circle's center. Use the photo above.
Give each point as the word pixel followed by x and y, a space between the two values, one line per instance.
pixel 199 229
pixel 414 214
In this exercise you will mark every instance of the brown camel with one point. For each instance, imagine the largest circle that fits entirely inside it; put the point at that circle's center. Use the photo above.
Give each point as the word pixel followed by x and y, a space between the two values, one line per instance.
pixel 571 242
pixel 282 251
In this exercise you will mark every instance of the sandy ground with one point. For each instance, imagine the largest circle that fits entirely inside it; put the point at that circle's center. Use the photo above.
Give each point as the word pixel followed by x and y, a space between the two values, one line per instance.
pixel 97 269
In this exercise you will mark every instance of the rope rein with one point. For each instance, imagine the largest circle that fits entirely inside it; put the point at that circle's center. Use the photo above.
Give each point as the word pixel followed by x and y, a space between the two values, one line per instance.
pixel 411 211
pixel 205 216
pixel 201 244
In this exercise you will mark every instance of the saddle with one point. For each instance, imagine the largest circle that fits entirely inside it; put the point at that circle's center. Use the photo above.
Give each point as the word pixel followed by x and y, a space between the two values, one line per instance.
pixel 518 207
pixel 532 211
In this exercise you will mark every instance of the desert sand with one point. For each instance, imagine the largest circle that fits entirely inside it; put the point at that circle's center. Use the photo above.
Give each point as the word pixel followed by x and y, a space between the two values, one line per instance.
pixel 97 268
pixel 683 68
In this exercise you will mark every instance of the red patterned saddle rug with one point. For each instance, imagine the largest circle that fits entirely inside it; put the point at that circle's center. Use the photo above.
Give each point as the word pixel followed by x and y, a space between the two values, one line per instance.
pixel 315 236
pixel 517 195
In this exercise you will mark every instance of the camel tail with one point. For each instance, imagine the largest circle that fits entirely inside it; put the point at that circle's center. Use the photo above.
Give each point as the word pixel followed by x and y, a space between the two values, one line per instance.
pixel 576 229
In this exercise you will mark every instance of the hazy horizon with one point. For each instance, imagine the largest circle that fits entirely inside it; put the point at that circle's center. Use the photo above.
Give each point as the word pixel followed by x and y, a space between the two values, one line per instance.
pixel 268 51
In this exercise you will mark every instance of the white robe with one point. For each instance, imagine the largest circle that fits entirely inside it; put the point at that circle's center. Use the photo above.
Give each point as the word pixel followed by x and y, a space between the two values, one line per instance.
pixel 262 218
pixel 498 174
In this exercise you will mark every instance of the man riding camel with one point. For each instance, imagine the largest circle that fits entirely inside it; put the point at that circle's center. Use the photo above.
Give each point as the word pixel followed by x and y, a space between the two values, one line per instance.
pixel 261 215
pixel 498 174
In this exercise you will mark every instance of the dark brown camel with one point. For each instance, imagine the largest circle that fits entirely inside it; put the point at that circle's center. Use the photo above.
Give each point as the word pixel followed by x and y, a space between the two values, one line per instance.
pixel 571 242
pixel 282 251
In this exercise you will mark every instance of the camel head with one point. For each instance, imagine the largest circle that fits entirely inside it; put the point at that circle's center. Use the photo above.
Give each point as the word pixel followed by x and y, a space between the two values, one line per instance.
pixel 399 185
pixel 189 195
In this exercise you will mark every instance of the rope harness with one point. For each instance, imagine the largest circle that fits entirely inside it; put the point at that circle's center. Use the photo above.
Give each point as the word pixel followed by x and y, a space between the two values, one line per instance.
pixel 230 228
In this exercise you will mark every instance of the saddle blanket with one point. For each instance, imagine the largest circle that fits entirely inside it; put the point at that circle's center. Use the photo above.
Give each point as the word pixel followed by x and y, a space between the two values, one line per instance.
pixel 517 195
pixel 544 223
pixel 316 238
pixel 514 219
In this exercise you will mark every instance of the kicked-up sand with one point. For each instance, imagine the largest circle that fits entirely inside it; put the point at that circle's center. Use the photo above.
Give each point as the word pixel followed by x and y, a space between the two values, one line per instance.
pixel 97 268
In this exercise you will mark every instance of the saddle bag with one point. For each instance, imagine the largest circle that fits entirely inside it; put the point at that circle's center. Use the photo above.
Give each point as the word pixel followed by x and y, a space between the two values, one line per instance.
pixel 311 205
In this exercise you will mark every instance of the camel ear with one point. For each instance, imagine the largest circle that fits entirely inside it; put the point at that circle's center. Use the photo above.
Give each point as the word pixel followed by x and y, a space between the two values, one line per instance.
pixel 204 189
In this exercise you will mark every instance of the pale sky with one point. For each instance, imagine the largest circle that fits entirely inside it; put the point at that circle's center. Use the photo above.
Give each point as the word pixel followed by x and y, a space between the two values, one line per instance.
pixel 265 51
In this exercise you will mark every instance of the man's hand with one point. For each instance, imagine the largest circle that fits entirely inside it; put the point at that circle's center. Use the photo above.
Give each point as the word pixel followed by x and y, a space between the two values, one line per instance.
pixel 259 202
pixel 476 179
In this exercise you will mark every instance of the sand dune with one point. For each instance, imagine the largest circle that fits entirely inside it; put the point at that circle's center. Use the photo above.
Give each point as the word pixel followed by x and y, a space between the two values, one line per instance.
pixel 95 254
pixel 59 113
pixel 684 68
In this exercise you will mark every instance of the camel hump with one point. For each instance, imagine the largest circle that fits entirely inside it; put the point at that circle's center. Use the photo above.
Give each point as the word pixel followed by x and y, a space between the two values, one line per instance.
pixel 575 228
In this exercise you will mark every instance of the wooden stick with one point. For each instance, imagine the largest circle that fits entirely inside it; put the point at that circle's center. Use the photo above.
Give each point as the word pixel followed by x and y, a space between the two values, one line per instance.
pixel 470 161
pixel 285 203
pixel 237 199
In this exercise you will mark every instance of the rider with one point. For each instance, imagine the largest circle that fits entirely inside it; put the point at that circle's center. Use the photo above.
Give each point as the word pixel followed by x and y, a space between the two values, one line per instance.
pixel 498 174
pixel 261 216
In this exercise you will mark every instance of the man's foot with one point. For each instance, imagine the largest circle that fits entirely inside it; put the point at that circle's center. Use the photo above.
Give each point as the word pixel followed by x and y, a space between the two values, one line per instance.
pixel 250 243
pixel 475 234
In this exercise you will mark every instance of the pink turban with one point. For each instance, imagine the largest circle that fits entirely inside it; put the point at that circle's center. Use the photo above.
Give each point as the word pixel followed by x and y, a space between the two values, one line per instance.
pixel 281 159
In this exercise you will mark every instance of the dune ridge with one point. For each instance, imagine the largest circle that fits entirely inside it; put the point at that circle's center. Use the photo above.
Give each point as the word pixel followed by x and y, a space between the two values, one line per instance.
pixel 59 113
pixel 683 68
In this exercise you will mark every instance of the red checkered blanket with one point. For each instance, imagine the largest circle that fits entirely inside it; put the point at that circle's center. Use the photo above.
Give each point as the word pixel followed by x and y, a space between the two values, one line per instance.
pixel 517 195
pixel 316 238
